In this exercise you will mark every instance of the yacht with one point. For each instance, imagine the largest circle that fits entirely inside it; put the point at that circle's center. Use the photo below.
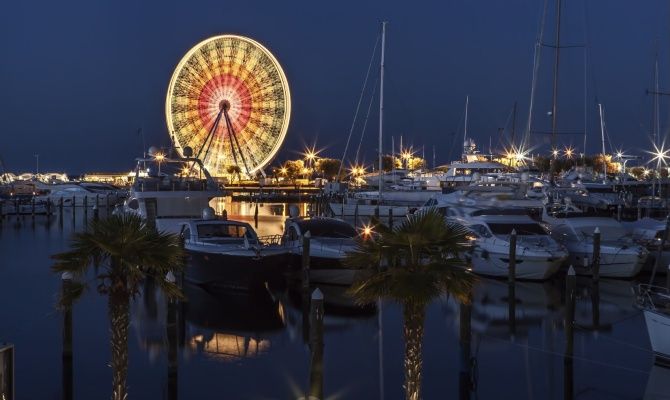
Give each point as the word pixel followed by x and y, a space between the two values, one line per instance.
pixel 538 256
pixel 168 192
pixel 654 301
pixel 223 250
pixel 648 232
pixel 620 256
pixel 330 241
pixel 84 194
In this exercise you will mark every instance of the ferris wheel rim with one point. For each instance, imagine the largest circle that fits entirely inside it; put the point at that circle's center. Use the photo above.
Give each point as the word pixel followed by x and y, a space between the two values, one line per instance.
pixel 284 84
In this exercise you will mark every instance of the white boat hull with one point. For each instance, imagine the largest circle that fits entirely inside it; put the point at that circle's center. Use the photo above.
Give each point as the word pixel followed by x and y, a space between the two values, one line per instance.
pixel 539 267
pixel 658 327
pixel 612 265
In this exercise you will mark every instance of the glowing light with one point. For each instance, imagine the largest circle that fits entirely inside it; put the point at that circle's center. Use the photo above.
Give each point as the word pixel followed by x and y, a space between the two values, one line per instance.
pixel 283 170
pixel 311 154
pixel 159 157
pixel 569 152
pixel 660 155
pixel 554 152
pixel 367 231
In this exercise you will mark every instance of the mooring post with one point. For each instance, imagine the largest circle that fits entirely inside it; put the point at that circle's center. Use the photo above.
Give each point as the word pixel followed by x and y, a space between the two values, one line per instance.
pixel 570 284
pixel 173 340
pixel 356 215
pixel 511 273
pixel 68 375
pixel 391 217
pixel 32 207
pixel 256 215
pixel 74 201
pixel 85 205
pixel 618 213
pixel 639 210
pixel 667 278
pixel 595 263
pixel 97 200
pixel 60 207
pixel 306 238
pixel 465 381
pixel 96 212
pixel 511 284
pixel 377 212
pixel 316 344
pixel 659 252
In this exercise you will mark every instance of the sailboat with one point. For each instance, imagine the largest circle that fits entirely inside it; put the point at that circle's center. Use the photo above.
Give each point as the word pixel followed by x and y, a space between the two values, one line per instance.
pixel 373 205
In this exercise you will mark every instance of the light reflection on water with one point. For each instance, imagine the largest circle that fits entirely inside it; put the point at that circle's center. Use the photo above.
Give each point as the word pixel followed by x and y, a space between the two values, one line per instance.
pixel 252 345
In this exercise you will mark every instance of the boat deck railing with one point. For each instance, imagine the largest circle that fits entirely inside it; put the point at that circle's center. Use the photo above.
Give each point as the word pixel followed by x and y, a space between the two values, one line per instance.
pixel 653 297
pixel 270 240
pixel 173 185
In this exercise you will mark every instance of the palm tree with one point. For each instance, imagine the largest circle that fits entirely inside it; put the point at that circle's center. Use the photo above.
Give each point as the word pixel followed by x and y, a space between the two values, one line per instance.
pixel 412 264
pixel 123 251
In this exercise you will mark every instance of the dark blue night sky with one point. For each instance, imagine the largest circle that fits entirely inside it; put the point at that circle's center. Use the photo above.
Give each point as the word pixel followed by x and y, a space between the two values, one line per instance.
pixel 78 78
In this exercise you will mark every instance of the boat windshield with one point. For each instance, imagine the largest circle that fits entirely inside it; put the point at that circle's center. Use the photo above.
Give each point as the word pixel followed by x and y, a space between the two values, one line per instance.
pixel 223 231
pixel 521 229
pixel 328 229
pixel 606 232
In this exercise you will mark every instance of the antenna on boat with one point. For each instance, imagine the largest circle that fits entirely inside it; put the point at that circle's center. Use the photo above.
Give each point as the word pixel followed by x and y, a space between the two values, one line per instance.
pixel 381 108
pixel 602 136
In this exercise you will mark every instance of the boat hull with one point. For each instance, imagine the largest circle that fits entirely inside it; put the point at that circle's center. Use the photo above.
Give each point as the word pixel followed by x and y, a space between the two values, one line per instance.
pixel 618 265
pixel 658 327
pixel 241 268
pixel 527 267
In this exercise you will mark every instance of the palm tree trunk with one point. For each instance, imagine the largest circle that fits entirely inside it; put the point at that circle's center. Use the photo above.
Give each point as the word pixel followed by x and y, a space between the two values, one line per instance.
pixel 119 314
pixel 414 315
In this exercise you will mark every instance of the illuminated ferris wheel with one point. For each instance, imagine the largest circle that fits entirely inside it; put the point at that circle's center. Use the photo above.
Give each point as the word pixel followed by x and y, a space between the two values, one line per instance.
pixel 229 101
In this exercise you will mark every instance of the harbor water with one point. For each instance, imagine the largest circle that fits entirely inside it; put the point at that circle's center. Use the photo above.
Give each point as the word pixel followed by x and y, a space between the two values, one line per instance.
pixel 239 345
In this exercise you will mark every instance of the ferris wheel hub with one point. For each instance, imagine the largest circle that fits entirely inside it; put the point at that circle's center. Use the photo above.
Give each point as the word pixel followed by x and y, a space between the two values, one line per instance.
pixel 224 105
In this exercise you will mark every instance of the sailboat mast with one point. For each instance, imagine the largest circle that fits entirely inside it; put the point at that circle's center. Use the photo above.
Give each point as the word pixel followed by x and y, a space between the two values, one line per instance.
pixel 602 137
pixel 465 129
pixel 381 108
pixel 554 108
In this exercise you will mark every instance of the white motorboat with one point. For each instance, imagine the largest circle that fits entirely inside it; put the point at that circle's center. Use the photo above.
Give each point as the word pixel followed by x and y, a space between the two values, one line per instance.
pixel 222 250
pixel 654 301
pixel 330 241
pixel 168 192
pixel 538 256
pixel 620 256
pixel 84 194
pixel 366 208
pixel 648 232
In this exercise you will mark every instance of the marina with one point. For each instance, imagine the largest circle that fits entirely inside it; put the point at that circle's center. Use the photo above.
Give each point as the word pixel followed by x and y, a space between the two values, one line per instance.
pixel 235 336
pixel 191 212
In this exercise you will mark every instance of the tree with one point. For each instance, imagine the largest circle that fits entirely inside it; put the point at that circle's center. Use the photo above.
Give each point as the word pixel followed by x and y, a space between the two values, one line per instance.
pixel 387 162
pixel 412 264
pixel 234 170
pixel 328 167
pixel 293 169
pixel 123 251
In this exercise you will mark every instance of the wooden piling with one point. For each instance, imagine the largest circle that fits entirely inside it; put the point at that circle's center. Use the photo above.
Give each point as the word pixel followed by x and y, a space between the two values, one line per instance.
pixel 32 207
pixel 67 357
pixel 570 284
pixel 618 213
pixel 595 263
pixel 511 273
pixel 391 217
pixel 465 380
pixel 511 284
pixel 316 345
pixel 306 238
pixel 256 215
pixel 659 252
pixel 356 215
